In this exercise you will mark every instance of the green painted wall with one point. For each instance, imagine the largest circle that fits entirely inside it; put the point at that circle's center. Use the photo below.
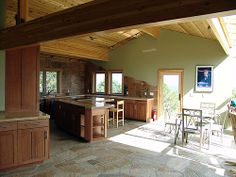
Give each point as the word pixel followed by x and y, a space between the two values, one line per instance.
pixel 142 57
pixel 2 58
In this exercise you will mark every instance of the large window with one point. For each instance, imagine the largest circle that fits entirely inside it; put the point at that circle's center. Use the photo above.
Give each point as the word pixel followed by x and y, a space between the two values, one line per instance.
pixel 100 81
pixel 48 82
pixel 108 82
pixel 116 82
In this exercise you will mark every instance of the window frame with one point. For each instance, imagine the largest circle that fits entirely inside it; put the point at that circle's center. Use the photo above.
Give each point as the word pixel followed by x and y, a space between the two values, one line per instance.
pixel 110 83
pixel 95 82
pixel 45 77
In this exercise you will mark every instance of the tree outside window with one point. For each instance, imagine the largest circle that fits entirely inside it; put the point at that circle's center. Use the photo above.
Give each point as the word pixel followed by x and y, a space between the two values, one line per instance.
pixel 100 82
pixel 117 81
pixel 48 82
pixel 51 81
pixel 41 82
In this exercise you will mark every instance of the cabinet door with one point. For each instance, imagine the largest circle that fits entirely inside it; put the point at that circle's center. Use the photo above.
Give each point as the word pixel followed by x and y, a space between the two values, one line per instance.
pixel 33 145
pixel 129 109
pixel 13 81
pixel 57 114
pixel 24 146
pixel 8 149
pixel 141 108
pixel 30 85
pixel 39 143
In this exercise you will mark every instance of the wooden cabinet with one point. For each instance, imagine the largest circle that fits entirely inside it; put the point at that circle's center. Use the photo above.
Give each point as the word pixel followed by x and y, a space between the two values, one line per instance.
pixel 141 110
pixel 70 118
pixel 138 109
pixel 8 145
pixel 33 141
pixel 22 68
pixel 96 124
pixel 129 109
pixel 23 142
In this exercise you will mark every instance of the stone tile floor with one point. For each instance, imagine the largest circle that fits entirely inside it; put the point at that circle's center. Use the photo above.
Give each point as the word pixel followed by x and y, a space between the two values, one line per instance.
pixel 135 150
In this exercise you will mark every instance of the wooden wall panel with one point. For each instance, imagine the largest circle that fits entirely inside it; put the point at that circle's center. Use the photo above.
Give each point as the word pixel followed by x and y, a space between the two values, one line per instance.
pixel 13 80
pixel 22 77
pixel 30 64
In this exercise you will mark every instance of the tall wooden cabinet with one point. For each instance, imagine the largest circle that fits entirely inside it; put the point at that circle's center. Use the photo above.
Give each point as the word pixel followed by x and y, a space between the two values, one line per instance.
pixel 22 73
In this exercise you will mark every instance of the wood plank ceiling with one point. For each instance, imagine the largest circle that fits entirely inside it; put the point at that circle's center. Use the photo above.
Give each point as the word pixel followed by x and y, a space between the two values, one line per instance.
pixel 230 23
pixel 97 46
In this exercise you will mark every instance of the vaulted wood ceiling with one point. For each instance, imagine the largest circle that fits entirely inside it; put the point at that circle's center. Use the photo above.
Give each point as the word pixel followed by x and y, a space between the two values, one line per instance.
pixel 97 46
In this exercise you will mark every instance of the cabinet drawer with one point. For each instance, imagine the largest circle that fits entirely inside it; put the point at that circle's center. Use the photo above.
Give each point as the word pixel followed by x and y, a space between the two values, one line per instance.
pixel 33 124
pixel 7 126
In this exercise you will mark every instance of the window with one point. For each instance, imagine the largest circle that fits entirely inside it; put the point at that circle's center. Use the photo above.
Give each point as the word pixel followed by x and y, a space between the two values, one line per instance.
pixel 116 82
pixel 108 82
pixel 48 82
pixel 100 82
pixel 41 82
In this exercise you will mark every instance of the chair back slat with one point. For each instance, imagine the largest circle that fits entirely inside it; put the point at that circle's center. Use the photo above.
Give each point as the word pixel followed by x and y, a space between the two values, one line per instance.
pixel 192 119
pixel 208 109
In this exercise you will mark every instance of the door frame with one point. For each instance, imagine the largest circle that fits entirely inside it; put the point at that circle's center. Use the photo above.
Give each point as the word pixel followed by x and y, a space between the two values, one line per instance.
pixel 160 74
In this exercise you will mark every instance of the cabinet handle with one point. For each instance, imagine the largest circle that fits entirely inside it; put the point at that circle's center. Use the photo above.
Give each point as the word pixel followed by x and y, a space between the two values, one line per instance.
pixel 45 134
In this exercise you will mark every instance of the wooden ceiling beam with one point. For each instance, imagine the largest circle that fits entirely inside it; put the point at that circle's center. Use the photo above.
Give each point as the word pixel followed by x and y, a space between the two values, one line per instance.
pixel 152 31
pixel 23 9
pixel 104 15
pixel 219 33
pixel 222 23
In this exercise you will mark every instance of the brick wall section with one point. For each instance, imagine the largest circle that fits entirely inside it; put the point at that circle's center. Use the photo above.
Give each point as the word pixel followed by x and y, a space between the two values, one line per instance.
pixel 72 72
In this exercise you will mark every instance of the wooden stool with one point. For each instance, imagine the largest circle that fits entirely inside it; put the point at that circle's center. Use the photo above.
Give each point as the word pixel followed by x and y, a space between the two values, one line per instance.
pixel 117 113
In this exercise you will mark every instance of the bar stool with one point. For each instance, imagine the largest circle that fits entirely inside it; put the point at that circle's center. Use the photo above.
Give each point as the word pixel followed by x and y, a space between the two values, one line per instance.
pixel 117 113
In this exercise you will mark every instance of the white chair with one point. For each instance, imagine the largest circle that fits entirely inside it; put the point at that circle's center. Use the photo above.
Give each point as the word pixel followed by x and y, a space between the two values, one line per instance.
pixel 208 111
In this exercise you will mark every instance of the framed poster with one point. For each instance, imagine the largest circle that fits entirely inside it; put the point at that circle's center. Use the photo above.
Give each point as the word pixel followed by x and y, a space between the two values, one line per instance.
pixel 204 79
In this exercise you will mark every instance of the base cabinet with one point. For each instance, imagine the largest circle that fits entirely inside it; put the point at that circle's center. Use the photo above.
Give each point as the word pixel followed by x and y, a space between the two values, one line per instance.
pixel 138 110
pixel 69 117
pixel 32 145
pixel 23 142
pixel 8 148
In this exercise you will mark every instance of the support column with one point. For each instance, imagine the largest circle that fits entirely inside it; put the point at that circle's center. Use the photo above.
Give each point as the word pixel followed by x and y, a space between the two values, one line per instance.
pixel 2 57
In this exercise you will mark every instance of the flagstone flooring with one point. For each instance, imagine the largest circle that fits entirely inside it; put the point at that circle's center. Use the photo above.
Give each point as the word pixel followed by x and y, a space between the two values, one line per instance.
pixel 135 150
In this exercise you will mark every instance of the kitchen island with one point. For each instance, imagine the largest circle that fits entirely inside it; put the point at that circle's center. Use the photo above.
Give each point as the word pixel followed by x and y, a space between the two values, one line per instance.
pixel 84 117
pixel 136 108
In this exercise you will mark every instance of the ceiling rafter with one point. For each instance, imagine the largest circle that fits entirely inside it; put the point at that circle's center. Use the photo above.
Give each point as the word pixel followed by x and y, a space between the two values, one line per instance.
pixel 220 34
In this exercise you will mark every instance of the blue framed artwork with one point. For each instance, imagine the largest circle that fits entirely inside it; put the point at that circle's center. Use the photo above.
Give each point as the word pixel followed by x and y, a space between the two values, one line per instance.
pixel 204 79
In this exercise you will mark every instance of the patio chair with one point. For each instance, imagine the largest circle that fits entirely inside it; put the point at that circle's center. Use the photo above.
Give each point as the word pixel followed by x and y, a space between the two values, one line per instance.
pixel 192 123
pixel 171 120
pixel 209 112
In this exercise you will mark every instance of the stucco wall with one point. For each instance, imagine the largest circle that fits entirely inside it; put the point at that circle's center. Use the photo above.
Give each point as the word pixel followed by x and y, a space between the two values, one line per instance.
pixel 143 57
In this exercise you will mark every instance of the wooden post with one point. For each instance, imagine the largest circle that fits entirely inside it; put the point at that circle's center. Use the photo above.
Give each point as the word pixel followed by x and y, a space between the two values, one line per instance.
pixel 22 11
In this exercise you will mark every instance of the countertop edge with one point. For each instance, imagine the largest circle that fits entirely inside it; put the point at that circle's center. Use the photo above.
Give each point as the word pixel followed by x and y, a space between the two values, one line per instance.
pixel 41 116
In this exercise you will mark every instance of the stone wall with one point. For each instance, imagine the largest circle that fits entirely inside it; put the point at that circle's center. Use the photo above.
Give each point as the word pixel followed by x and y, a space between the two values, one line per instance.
pixel 72 72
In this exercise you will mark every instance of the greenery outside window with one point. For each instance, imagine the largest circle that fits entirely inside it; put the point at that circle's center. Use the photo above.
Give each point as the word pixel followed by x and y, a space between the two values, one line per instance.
pixel 49 82
pixel 116 82
pixel 100 80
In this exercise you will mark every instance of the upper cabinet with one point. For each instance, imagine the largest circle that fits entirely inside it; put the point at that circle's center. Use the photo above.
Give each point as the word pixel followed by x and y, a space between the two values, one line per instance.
pixel 22 81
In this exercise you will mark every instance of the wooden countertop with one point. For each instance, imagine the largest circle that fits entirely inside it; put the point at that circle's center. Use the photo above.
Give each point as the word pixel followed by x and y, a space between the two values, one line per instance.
pixel 91 103
pixel 123 97
pixel 41 116
pixel 101 96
